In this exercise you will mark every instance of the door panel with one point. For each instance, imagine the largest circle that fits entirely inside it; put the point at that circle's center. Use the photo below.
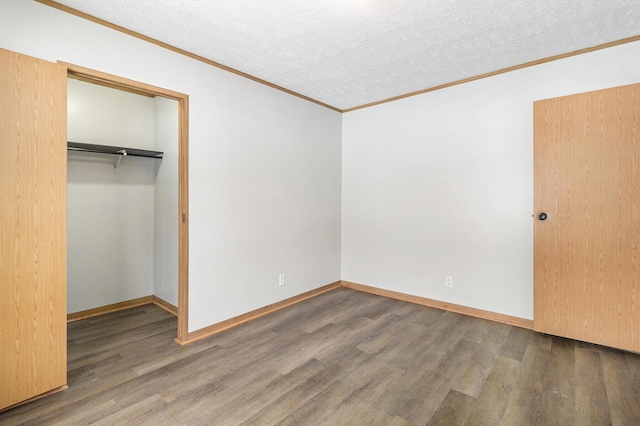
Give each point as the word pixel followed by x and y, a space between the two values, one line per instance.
pixel 33 168
pixel 586 253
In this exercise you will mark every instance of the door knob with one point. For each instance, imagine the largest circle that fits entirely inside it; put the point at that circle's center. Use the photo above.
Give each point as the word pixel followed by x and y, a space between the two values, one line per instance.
pixel 542 216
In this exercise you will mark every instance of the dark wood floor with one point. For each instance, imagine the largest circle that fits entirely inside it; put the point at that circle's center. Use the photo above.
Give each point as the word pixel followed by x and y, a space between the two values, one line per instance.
pixel 342 358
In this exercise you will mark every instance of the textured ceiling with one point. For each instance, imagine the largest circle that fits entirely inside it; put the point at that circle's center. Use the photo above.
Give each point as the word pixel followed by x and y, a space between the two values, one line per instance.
pixel 346 53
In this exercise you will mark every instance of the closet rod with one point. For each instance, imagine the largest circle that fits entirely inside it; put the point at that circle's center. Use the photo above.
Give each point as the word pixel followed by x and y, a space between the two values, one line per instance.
pixel 113 150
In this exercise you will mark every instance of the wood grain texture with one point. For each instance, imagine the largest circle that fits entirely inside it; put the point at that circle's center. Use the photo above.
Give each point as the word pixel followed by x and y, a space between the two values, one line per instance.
pixel 479 313
pixel 35 398
pixel 127 89
pixel 249 316
pixel 33 173
pixel 586 254
pixel 116 82
pixel 113 307
pixel 183 220
pixel 172 309
pixel 343 357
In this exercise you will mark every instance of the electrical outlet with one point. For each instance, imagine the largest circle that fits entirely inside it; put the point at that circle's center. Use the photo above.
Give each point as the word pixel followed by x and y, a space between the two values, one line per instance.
pixel 448 281
pixel 281 280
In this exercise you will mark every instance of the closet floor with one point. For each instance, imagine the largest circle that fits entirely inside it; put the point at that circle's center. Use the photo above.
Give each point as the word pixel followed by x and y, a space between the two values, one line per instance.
pixel 343 357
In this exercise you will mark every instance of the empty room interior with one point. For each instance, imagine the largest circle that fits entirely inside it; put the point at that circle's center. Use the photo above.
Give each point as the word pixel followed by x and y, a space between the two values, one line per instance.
pixel 333 212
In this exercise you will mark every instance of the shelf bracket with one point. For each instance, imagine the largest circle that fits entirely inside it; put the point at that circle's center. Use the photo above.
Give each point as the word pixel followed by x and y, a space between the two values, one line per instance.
pixel 118 158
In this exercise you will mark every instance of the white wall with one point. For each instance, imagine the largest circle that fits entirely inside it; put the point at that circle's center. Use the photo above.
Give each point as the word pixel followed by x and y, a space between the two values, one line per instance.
pixel 265 167
pixel 442 183
pixel 433 185
pixel 110 213
pixel 166 201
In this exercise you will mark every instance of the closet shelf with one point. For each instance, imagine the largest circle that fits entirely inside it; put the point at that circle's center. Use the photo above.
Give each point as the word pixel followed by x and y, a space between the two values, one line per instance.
pixel 118 151
pixel 114 150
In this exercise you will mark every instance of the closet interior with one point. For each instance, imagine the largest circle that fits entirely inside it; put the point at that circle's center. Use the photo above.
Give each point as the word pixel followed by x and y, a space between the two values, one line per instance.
pixel 122 196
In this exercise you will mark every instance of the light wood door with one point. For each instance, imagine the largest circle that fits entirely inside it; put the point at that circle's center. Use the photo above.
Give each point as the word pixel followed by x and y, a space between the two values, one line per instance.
pixel 33 173
pixel 587 251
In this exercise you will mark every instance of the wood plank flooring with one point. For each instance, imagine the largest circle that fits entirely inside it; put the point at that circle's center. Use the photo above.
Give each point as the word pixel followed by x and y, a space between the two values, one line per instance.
pixel 342 358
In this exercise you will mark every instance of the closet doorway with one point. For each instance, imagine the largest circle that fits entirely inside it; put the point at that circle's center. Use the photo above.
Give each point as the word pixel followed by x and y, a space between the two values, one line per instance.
pixel 128 215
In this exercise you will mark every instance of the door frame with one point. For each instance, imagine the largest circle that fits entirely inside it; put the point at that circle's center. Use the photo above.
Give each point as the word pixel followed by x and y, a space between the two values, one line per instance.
pixel 121 83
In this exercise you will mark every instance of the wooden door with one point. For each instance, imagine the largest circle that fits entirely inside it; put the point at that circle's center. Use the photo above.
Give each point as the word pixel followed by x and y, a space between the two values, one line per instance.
pixel 33 173
pixel 587 251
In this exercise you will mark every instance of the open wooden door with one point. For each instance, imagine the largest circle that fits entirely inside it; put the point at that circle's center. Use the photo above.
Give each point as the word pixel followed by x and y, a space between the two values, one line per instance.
pixel 587 217
pixel 33 166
